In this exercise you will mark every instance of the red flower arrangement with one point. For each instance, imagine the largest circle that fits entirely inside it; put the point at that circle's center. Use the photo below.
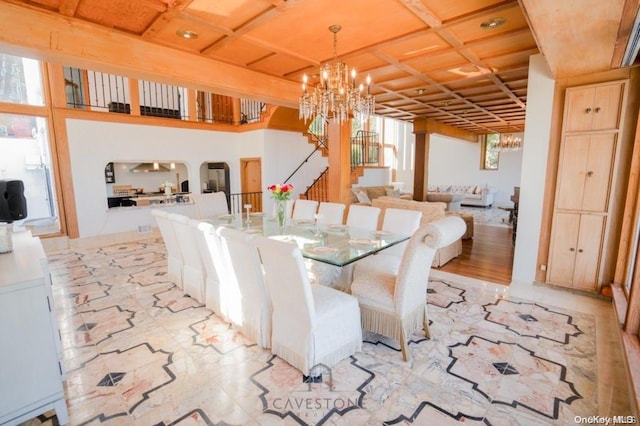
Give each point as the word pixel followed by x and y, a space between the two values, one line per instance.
pixel 281 191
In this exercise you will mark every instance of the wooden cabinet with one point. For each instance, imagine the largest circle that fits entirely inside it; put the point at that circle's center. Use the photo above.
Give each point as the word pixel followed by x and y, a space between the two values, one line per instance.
pixel 588 153
pixel 30 369
pixel 576 246
pixel 594 107
pixel 584 175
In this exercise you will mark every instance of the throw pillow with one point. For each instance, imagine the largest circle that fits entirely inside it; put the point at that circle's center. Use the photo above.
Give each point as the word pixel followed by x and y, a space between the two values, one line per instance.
pixel 363 198
pixel 395 193
pixel 471 190
pixel 478 190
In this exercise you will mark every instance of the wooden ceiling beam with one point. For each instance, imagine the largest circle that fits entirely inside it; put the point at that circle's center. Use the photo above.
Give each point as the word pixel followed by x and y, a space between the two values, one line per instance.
pixel 427 125
pixel 68 7
pixel 48 36
pixel 165 17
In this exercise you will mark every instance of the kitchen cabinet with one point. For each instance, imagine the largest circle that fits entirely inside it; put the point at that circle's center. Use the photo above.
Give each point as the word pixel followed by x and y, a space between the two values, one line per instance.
pixel 30 365
pixel 575 250
pixel 580 237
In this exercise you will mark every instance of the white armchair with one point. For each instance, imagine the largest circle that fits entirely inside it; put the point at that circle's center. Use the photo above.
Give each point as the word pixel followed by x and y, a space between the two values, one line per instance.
pixel 311 325
pixel 392 291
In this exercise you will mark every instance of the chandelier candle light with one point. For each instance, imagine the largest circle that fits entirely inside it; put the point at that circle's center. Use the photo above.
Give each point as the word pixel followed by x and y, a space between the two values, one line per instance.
pixel 509 142
pixel 337 95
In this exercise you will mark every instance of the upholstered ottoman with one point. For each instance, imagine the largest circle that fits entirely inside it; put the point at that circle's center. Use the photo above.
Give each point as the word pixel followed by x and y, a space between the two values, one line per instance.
pixel 468 219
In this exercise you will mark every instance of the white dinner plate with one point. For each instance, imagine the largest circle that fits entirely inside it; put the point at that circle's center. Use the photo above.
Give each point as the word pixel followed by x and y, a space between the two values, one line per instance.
pixel 381 233
pixel 304 222
pixel 362 243
pixel 337 228
pixel 226 216
pixel 322 250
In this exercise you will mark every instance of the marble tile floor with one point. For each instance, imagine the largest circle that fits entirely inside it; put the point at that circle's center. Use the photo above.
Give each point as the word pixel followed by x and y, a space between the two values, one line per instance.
pixel 136 351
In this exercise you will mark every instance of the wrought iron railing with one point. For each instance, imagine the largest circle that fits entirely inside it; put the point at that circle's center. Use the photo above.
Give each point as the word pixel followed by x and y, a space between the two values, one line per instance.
pixel 238 200
pixel 319 189
pixel 365 149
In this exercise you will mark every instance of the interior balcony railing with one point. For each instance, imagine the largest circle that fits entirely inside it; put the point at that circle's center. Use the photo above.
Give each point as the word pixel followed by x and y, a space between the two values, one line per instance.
pixel 365 149
pixel 97 91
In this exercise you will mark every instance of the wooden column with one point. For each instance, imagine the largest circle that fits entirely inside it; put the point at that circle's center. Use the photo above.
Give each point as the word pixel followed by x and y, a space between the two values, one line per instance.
pixel 236 111
pixel 134 96
pixel 421 167
pixel 339 179
pixel 192 105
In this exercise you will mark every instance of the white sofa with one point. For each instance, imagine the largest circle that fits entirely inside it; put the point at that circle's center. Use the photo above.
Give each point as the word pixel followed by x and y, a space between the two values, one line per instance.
pixel 473 195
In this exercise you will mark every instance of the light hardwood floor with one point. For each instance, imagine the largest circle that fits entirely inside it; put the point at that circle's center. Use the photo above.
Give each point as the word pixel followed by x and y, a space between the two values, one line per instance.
pixel 487 256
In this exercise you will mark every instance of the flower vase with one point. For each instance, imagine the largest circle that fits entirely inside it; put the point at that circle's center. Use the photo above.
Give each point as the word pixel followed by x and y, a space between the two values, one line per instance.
pixel 281 210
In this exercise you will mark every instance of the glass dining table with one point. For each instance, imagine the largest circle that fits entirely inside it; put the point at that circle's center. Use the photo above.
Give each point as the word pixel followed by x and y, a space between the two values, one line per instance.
pixel 337 245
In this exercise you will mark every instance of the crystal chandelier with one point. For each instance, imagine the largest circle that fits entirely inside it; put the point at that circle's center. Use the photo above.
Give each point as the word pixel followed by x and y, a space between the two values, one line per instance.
pixel 337 95
pixel 509 142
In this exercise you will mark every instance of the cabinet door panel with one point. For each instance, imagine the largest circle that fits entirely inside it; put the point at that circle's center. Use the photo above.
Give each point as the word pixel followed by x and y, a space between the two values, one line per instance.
pixel 563 248
pixel 579 109
pixel 571 176
pixel 29 368
pixel 588 252
pixel 606 107
pixel 598 173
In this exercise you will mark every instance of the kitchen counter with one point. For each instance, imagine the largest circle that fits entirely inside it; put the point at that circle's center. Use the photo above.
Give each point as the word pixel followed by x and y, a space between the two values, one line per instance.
pixel 146 199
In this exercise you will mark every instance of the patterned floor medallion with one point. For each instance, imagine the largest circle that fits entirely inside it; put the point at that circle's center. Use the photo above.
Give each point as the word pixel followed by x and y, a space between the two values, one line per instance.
pixel 137 351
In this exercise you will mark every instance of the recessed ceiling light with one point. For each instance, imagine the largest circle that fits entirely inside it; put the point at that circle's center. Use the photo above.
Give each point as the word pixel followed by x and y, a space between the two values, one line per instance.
pixel 420 91
pixel 187 34
pixel 492 23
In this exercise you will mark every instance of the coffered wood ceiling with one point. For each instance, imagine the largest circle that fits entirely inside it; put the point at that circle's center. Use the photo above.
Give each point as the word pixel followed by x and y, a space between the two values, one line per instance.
pixel 427 58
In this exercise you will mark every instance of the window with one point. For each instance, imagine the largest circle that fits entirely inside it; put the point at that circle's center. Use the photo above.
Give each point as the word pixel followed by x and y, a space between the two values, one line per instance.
pixel 489 152
pixel 24 142
pixel 20 80
pixel 26 157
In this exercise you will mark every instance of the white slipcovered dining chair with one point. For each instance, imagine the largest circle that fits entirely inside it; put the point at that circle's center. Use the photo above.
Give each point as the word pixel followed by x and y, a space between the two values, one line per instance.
pixel 392 291
pixel 400 221
pixel 207 242
pixel 311 325
pixel 174 257
pixel 304 209
pixel 211 205
pixel 364 217
pixel 193 273
pixel 254 304
pixel 331 213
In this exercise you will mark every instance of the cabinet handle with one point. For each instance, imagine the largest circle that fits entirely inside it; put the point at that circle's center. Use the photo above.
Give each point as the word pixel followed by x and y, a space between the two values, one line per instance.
pixel 588 110
pixel 572 249
pixel 589 173
pixel 598 109
pixel 580 250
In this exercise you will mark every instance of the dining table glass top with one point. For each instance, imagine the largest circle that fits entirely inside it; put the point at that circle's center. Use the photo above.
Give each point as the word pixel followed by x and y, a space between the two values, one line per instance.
pixel 337 245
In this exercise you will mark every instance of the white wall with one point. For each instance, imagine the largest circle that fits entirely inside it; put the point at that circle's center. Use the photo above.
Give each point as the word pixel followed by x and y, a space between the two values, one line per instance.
pixel 92 144
pixel 405 155
pixel 457 162
pixel 283 153
pixel 540 92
